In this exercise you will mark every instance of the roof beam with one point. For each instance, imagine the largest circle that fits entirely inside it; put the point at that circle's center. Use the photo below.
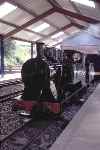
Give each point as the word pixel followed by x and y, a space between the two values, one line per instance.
pixel 73 14
pixel 56 4
pixel 32 21
pixel 20 39
pixel 16 26
pixel 79 12
pixel 75 7
pixel 59 43
pixel 61 29
pixel 79 26
pixel 29 11
pixel 55 32
pixel 8 23
pixel 77 16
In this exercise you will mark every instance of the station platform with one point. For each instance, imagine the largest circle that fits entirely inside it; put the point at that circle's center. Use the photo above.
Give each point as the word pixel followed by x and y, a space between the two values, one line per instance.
pixel 10 76
pixel 83 132
pixel 80 76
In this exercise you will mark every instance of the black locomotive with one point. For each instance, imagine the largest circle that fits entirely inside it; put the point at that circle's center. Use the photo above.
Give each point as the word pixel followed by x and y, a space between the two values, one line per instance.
pixel 38 90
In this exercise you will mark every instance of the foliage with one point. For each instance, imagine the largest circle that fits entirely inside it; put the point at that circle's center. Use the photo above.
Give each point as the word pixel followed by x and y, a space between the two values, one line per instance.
pixel 15 54
pixel 22 54
pixel 10 49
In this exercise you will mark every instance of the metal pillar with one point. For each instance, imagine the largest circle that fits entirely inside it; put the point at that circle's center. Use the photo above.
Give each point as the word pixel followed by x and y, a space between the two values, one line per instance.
pixel 1 55
pixel 31 50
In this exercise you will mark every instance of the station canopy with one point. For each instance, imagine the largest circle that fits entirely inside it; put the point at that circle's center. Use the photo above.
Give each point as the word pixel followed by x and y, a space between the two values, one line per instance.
pixel 49 21
pixel 87 41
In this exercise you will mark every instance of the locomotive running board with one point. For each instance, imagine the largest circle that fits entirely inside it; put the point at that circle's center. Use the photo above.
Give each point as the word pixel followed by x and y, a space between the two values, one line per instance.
pixel 55 107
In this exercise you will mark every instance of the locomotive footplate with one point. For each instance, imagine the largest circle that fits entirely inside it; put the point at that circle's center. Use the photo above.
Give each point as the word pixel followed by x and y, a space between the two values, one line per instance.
pixel 75 85
pixel 53 106
pixel 29 105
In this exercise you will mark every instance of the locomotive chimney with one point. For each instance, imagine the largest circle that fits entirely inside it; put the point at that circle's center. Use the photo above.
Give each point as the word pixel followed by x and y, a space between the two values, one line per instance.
pixel 40 49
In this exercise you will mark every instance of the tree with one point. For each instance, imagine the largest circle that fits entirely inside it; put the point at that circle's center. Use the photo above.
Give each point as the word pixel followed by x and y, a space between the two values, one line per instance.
pixel 10 49
pixel 22 53
pixel 16 54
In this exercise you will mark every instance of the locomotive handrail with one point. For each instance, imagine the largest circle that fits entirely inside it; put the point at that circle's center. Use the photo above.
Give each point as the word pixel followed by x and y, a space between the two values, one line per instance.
pixel 73 94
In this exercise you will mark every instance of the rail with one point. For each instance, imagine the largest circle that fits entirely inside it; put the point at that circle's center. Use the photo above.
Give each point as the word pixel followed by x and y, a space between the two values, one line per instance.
pixel 10 82
pixel 10 96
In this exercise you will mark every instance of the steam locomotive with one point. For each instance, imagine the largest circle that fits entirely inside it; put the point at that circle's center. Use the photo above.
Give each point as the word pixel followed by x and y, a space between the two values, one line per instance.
pixel 43 91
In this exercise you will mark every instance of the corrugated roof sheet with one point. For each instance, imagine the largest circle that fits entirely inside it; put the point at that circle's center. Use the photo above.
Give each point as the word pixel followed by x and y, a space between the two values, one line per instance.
pixel 36 24
pixel 85 24
pixel 90 12
pixel 72 30
pixel 27 35
pixel 29 9
pixel 51 41
pixel 58 19
pixel 4 29
pixel 48 31
pixel 66 4
pixel 18 17
pixel 37 6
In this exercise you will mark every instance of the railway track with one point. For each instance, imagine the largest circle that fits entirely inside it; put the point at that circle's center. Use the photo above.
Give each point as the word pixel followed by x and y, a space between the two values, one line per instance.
pixel 40 134
pixel 9 96
pixel 10 89
pixel 34 133
pixel 10 82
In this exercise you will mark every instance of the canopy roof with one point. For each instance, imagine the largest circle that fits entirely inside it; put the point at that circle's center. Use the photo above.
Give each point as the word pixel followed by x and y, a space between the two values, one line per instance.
pixel 39 20
pixel 83 42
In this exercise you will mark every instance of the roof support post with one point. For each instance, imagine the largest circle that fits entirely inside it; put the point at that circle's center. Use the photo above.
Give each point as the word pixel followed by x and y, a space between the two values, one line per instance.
pixel 1 55
pixel 31 50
